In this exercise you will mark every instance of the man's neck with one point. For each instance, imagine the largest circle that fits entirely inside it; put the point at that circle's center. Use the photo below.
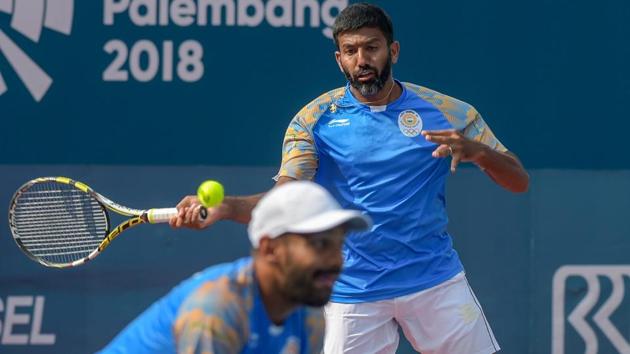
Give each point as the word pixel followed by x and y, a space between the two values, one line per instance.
pixel 276 306
pixel 389 93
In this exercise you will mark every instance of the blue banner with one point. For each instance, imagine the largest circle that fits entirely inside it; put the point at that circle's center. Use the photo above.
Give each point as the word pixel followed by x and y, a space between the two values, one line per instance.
pixel 216 81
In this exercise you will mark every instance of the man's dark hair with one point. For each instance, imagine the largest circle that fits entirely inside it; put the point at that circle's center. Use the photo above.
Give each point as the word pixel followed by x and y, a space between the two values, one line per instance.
pixel 361 15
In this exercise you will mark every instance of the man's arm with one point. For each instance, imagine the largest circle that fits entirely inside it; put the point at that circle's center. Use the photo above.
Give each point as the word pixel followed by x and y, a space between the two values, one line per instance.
pixel 503 167
pixel 299 162
pixel 238 209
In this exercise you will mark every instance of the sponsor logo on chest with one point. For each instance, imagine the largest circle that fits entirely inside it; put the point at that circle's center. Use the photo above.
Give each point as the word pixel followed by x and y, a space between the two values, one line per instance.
pixel 339 122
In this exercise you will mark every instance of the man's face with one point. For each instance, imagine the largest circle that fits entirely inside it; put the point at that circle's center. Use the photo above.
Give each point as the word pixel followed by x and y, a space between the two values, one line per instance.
pixel 365 59
pixel 311 266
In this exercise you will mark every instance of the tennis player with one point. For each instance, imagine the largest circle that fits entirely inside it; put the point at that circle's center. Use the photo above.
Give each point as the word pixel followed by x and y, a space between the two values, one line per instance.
pixel 386 147
pixel 268 303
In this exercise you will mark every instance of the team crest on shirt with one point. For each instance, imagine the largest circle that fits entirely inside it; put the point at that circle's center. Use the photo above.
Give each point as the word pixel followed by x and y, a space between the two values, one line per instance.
pixel 410 123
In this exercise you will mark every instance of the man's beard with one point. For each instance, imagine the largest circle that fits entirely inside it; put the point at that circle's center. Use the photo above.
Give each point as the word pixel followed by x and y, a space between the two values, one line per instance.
pixel 299 287
pixel 372 87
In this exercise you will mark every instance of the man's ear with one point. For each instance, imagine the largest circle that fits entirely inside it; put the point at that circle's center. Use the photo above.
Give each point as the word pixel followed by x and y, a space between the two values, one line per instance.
pixel 338 59
pixel 268 249
pixel 394 50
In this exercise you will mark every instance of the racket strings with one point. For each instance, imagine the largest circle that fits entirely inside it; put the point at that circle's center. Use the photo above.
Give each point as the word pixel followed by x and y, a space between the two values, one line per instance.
pixel 58 223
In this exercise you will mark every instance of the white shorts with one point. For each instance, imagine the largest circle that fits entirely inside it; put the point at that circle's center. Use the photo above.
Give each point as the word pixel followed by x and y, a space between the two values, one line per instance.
pixel 445 319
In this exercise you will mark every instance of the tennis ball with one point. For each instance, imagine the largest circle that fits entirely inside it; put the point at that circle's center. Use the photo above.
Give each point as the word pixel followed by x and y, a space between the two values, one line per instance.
pixel 210 193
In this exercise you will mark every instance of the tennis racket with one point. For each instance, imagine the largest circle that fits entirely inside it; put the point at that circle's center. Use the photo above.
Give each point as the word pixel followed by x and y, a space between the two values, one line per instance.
pixel 63 223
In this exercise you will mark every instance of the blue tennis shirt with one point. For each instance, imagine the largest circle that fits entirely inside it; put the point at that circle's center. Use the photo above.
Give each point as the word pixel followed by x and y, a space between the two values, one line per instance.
pixel 219 310
pixel 374 159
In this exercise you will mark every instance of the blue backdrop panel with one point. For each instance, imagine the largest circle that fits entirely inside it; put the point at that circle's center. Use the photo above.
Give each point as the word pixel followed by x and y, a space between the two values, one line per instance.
pixel 511 245
pixel 580 218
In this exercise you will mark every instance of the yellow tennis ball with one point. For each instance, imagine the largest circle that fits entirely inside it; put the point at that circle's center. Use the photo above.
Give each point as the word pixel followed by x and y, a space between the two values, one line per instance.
pixel 210 193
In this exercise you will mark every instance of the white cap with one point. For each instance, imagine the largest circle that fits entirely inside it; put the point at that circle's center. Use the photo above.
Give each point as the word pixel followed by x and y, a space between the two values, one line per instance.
pixel 300 207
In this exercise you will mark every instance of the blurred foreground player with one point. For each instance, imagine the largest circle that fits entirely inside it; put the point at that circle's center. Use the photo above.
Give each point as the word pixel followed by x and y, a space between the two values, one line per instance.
pixel 268 303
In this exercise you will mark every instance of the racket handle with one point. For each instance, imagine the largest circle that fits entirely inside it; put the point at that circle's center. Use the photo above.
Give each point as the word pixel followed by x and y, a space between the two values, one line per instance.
pixel 161 215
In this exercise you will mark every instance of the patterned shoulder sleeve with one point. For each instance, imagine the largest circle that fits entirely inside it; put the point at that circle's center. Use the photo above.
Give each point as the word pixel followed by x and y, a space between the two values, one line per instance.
pixel 315 329
pixel 461 115
pixel 213 320
pixel 299 154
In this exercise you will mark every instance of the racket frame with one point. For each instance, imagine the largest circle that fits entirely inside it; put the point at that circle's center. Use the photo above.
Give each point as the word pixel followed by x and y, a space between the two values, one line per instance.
pixel 153 216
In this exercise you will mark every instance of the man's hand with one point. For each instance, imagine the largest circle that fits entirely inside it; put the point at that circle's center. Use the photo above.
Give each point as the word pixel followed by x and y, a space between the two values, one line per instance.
pixel 188 214
pixel 503 167
pixel 238 209
pixel 452 142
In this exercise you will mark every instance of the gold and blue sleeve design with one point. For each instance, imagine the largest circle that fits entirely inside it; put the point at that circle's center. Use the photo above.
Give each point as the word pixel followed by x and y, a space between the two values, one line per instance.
pixel 315 329
pixel 214 319
pixel 299 153
pixel 461 115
